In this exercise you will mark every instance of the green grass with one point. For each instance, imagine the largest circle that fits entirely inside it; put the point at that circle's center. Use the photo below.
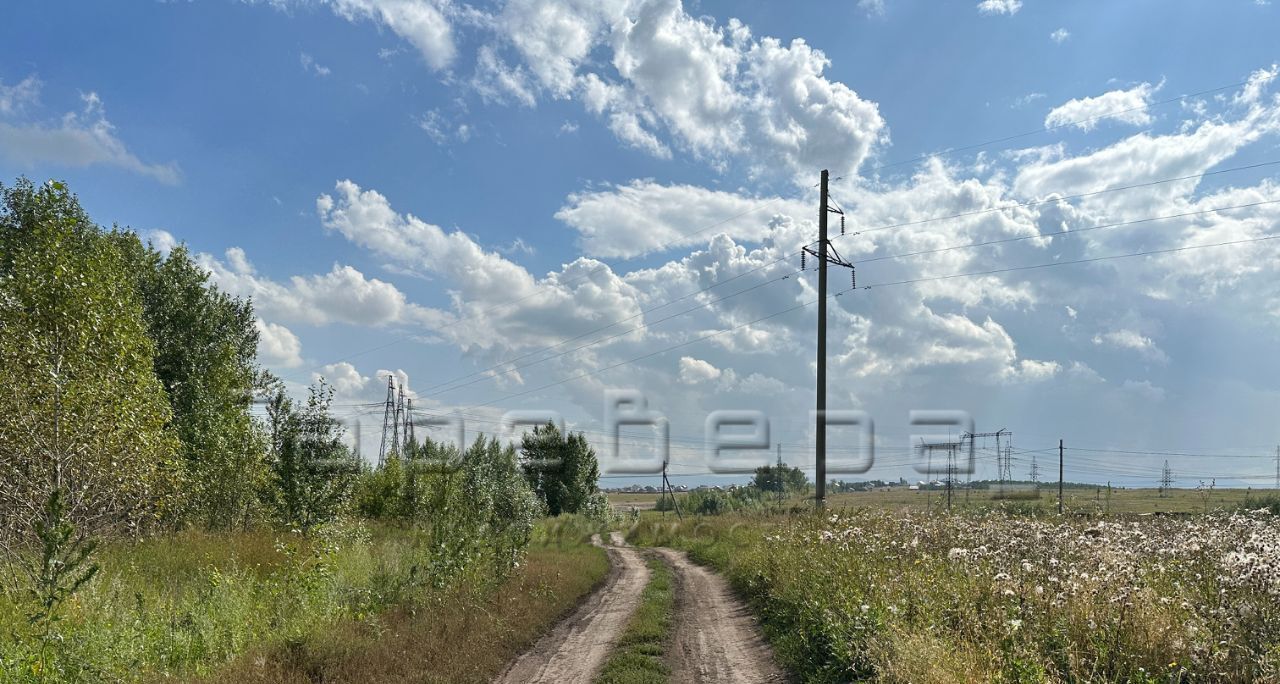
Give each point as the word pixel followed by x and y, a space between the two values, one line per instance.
pixel 640 655
pixel 190 604
pixel 462 635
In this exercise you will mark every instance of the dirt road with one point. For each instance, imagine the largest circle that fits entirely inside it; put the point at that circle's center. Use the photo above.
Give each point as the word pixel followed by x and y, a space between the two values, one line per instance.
pixel 716 638
pixel 576 649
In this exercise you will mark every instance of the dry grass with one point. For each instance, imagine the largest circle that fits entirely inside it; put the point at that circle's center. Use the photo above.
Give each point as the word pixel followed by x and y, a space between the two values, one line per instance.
pixel 455 637
pixel 923 658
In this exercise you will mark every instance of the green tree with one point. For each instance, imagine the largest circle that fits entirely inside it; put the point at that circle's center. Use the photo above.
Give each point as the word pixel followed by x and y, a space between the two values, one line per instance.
pixel 780 479
pixel 206 358
pixel 561 469
pixel 312 472
pixel 500 500
pixel 81 412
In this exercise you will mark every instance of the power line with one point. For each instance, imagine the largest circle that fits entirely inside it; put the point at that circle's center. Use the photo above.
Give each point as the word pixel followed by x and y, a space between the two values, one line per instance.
pixel 775 200
pixel 1065 198
pixel 1069 232
pixel 1169 453
pixel 1030 203
pixel 1090 260
pixel 839 293
pixel 539 290
pixel 1064 233
pixel 615 336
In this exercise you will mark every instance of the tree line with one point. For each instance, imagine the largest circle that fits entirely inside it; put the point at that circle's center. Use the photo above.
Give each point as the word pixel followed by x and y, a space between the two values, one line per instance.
pixel 127 382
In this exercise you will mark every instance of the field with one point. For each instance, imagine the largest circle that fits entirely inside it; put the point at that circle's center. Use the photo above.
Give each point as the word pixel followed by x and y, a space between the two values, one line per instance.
pixel 889 593
pixel 355 603
pixel 627 501
pixel 1078 499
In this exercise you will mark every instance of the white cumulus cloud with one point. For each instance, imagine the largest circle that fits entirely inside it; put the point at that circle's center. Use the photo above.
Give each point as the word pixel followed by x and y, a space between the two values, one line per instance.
pixel 277 345
pixel 1133 341
pixel 999 6
pixel 645 216
pixel 76 139
pixel 689 83
pixel 421 22
pixel 497 302
pixel 1125 106
pixel 343 295
pixel 696 371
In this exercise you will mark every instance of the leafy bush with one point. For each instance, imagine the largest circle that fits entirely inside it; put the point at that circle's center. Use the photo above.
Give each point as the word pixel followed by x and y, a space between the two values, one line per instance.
pixel 1265 502
pixel 312 471
pixel 719 502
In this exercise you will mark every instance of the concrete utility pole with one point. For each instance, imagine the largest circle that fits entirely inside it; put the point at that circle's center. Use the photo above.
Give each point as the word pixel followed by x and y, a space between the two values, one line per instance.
pixel 821 442
pixel 1278 467
pixel 825 254
pixel 1060 450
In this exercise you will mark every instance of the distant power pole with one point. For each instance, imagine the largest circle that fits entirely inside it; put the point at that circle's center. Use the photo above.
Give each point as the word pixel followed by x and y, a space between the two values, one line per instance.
pixel 388 419
pixel 1278 467
pixel 397 420
pixel 1060 450
pixel 824 254
pixel 667 489
pixel 1166 479
pixel 951 473
pixel 408 422
pixel 1035 470
pixel 359 453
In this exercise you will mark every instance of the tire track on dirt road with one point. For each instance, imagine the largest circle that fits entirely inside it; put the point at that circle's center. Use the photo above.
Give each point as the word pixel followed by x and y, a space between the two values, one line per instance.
pixel 576 648
pixel 716 637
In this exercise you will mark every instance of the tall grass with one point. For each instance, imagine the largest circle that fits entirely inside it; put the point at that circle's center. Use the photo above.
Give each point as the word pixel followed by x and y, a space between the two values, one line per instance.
pixel 187 604
pixel 460 634
pixel 908 598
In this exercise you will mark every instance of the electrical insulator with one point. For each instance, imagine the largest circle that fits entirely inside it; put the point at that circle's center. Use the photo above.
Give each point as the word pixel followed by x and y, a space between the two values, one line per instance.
pixel 842 224
pixel 801 261
pixel 853 278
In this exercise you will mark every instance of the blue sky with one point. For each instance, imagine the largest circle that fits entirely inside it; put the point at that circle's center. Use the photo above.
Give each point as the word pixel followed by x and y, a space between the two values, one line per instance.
pixel 430 187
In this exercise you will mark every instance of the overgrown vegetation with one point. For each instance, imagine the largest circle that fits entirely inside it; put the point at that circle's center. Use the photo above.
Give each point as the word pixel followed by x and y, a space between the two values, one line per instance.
pixel 151 526
pixel 460 634
pixel 772 489
pixel 888 596
pixel 1264 502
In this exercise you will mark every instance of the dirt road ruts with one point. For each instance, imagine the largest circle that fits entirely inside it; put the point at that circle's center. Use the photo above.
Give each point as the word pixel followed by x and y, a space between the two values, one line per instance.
pixel 577 647
pixel 716 638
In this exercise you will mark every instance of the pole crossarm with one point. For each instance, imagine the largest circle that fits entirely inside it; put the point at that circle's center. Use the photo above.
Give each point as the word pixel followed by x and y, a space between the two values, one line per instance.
pixel 831 257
